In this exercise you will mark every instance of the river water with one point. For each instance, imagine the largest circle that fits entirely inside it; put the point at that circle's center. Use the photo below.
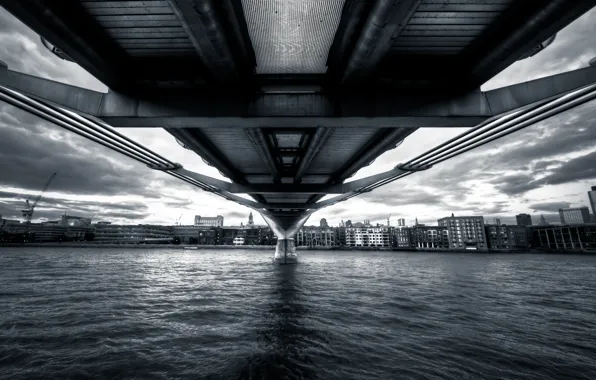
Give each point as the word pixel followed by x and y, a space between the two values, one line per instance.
pixel 172 314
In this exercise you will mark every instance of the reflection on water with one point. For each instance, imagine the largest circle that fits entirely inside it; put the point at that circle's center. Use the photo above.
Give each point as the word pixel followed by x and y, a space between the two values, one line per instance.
pixel 231 315
pixel 284 338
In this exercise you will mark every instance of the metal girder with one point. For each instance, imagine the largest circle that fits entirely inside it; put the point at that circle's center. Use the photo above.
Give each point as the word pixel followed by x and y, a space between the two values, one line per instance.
pixel 318 140
pixel 516 32
pixel 227 57
pixel 66 25
pixel 385 21
pixel 194 140
pixel 180 109
pixel 259 141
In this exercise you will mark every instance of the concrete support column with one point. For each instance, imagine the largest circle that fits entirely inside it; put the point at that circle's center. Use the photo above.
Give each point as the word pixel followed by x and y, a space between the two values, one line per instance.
pixel 285 251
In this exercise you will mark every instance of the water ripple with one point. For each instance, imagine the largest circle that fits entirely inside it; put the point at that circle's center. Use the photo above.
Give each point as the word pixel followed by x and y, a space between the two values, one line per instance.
pixel 174 314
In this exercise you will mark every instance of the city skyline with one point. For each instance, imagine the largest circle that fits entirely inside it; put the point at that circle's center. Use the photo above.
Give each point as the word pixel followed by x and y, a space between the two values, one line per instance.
pixel 536 171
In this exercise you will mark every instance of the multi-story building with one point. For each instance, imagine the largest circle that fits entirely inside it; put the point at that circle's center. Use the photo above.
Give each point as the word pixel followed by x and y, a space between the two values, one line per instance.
pixel 501 237
pixel 133 234
pixel 216 221
pixel 578 237
pixel 75 221
pixel 402 237
pixel 574 215
pixel 340 236
pixel 592 198
pixel 430 237
pixel 323 223
pixel 401 222
pixel 465 232
pixel 523 219
pixel 316 237
pixel 186 234
pixel 368 236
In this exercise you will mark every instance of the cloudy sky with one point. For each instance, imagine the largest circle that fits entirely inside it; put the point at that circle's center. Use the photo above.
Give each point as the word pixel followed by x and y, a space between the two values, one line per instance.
pixel 537 170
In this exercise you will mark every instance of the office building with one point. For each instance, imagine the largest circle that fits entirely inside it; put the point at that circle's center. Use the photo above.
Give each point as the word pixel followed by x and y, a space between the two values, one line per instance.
pixel 592 198
pixel 575 215
pixel 523 219
pixel 401 222
pixel 323 223
pixel 465 232
pixel 216 221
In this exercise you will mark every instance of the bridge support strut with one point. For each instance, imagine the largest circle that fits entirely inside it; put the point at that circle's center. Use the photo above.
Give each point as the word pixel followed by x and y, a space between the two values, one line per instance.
pixel 285 231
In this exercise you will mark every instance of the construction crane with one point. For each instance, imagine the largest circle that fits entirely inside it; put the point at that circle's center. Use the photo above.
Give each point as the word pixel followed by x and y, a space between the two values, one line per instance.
pixel 178 221
pixel 29 208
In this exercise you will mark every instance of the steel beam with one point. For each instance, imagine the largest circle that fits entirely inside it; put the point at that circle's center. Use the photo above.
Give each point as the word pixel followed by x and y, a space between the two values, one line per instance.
pixel 316 144
pixel 259 141
pixel 183 109
pixel 385 21
pixel 66 25
pixel 518 31
pixel 204 26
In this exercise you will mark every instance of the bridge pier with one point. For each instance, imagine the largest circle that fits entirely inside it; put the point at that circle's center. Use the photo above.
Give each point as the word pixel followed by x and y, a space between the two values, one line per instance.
pixel 285 231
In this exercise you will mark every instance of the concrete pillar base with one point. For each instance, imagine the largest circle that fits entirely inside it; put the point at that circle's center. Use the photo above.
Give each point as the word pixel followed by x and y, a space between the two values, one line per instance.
pixel 285 251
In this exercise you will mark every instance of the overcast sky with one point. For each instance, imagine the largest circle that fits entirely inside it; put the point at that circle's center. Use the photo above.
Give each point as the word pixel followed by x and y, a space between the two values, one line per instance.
pixel 537 170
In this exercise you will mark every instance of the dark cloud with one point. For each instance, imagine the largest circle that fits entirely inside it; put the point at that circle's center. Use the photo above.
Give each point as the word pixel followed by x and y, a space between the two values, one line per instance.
pixel 549 206
pixel 583 167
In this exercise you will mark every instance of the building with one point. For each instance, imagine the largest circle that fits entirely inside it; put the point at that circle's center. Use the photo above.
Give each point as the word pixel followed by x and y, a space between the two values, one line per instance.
pixel 575 215
pixel 251 222
pixel 75 221
pixel 402 237
pixel 217 221
pixel 368 236
pixel 430 238
pixel 401 222
pixel 501 237
pixel 316 237
pixel 523 219
pixel 592 198
pixel 579 237
pixel 543 221
pixel 465 232
pixel 323 223
pixel 133 234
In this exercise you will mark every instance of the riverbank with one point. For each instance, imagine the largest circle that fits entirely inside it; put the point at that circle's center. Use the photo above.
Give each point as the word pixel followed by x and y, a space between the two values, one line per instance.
pixel 272 247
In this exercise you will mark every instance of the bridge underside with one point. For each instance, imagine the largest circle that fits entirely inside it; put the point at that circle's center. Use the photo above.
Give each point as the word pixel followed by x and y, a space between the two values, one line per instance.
pixel 290 99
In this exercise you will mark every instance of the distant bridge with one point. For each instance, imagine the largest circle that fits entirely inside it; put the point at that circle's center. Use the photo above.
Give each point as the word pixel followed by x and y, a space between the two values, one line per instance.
pixel 289 99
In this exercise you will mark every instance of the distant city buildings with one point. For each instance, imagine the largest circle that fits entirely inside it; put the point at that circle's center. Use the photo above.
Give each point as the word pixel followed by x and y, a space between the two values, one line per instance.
pixel 543 221
pixel 592 198
pixel 368 236
pixel 217 221
pixel 523 220
pixel 502 237
pixel 574 215
pixel 401 222
pixel 323 223
pixel 465 232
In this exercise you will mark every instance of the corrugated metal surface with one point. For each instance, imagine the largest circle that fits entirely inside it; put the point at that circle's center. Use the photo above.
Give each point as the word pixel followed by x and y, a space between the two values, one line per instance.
pixel 142 28
pixel 447 26
pixel 339 149
pixel 292 36
pixel 237 148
